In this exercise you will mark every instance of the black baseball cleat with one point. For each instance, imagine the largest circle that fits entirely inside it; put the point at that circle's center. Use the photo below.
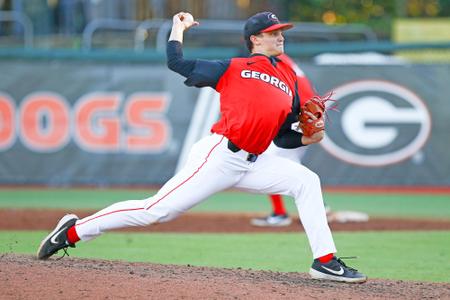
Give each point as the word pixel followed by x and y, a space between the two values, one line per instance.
pixel 57 239
pixel 335 270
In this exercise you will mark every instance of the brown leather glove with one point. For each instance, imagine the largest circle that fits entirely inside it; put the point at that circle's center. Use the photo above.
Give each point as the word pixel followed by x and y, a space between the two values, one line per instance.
pixel 312 113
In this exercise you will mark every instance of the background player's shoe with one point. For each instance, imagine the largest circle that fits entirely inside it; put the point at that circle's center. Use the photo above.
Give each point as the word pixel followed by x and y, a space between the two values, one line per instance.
pixel 272 220
pixel 57 239
pixel 335 270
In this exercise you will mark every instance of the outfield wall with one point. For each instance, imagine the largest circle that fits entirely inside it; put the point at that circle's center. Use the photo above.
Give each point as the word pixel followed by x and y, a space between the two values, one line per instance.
pixel 83 122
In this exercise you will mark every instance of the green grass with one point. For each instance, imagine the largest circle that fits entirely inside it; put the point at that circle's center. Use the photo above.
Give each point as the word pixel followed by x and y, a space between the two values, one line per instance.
pixel 404 205
pixel 421 256
pixel 67 198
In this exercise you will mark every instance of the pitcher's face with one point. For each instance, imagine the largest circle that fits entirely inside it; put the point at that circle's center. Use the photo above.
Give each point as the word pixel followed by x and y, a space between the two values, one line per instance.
pixel 269 43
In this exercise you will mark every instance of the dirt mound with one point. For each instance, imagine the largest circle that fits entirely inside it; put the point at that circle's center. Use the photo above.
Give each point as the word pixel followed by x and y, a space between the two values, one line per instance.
pixel 24 277
pixel 39 219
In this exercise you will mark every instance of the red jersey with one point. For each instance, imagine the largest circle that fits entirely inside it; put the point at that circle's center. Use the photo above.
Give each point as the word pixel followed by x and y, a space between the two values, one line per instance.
pixel 255 98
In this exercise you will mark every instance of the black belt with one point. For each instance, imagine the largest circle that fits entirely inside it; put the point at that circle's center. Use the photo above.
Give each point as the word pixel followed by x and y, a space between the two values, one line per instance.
pixel 233 148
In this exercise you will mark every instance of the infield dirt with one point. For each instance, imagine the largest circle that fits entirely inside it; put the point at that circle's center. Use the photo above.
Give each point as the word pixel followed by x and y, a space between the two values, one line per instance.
pixel 40 219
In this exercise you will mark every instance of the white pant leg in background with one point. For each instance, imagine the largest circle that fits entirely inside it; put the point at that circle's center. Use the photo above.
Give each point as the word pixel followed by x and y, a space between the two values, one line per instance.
pixel 272 174
pixel 295 154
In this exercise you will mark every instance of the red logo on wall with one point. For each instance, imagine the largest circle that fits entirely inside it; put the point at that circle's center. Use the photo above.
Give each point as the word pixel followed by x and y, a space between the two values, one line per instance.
pixel 100 122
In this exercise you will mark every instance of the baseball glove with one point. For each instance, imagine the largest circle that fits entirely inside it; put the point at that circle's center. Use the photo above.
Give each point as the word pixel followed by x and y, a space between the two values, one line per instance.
pixel 312 113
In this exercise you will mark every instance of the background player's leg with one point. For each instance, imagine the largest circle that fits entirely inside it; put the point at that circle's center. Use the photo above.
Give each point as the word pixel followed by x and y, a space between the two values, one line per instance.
pixel 277 205
pixel 275 175
pixel 278 217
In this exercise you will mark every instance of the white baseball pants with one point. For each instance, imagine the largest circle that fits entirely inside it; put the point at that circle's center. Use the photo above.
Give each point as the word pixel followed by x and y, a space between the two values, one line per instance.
pixel 210 168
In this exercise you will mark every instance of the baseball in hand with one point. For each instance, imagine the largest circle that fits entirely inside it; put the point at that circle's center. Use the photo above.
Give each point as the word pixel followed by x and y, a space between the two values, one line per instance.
pixel 187 17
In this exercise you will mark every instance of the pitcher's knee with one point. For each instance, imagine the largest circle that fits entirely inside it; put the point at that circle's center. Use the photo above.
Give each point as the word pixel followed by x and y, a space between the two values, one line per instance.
pixel 162 213
pixel 314 178
pixel 306 181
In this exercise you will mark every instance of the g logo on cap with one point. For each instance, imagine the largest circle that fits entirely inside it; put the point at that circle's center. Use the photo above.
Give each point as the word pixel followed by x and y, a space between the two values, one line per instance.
pixel 273 17
pixel 263 22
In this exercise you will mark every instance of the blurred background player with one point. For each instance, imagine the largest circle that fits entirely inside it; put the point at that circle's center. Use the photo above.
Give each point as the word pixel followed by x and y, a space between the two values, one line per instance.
pixel 279 216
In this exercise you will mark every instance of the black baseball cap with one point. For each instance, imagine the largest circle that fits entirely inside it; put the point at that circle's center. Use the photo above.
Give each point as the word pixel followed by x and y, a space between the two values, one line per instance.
pixel 263 22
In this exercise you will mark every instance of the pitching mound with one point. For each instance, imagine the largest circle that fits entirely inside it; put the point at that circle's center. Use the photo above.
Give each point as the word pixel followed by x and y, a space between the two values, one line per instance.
pixel 24 277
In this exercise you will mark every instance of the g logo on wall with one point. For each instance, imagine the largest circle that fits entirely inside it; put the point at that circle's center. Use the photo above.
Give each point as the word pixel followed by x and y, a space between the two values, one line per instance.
pixel 379 123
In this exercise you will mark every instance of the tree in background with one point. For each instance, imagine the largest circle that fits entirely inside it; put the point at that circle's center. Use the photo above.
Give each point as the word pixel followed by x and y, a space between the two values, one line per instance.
pixel 378 14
